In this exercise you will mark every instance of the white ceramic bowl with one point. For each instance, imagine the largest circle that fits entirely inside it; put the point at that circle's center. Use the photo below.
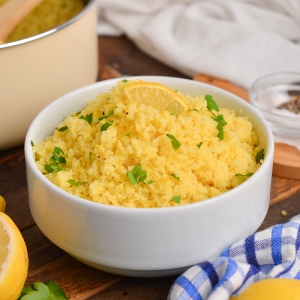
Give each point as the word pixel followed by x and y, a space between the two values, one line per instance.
pixel 37 70
pixel 146 242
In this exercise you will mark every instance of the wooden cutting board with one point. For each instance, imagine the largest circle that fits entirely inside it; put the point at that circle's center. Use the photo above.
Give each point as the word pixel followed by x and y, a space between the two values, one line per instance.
pixel 286 158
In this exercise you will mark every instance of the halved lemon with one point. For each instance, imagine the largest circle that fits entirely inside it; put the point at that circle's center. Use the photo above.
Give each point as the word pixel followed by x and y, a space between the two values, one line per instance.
pixel 272 289
pixel 13 259
pixel 2 204
pixel 156 95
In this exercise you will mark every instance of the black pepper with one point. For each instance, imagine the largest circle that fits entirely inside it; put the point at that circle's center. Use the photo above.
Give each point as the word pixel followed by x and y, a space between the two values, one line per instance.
pixel 293 105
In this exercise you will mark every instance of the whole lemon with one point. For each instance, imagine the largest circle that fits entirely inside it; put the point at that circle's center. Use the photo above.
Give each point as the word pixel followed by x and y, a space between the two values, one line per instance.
pixel 271 289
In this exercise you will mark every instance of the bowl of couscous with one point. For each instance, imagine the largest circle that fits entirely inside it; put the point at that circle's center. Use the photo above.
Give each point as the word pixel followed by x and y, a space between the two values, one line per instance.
pixel 52 51
pixel 146 176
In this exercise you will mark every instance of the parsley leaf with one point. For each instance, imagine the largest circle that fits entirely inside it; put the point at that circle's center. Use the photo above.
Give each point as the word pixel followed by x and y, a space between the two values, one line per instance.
pixel 61 129
pixel 76 114
pixel 176 198
pixel 176 177
pixel 90 155
pixel 110 113
pixel 53 167
pixel 244 175
pixel 39 290
pixel 199 145
pixel 32 143
pixel 88 118
pixel 221 123
pixel 136 175
pixel 175 143
pixel 74 182
pixel 25 290
pixel 260 155
pixel 56 290
pixel 124 80
pixel 57 158
pixel 149 182
pixel 105 126
pixel 211 104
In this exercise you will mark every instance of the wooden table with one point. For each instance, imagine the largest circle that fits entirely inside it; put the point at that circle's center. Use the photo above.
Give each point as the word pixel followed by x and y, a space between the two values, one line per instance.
pixel 117 56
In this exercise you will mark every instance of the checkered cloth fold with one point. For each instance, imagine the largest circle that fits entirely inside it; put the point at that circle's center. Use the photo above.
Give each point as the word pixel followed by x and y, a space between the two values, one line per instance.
pixel 271 253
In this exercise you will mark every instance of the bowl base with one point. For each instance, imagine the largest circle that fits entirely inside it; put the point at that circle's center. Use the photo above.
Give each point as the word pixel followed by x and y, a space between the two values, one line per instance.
pixel 133 273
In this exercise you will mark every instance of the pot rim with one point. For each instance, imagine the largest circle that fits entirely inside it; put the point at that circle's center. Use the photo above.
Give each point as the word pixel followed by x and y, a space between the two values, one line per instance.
pixel 87 7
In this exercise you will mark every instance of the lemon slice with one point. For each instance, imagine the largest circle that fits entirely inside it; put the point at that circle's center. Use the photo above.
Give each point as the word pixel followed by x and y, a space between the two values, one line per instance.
pixel 272 289
pixel 156 95
pixel 13 259
pixel 2 204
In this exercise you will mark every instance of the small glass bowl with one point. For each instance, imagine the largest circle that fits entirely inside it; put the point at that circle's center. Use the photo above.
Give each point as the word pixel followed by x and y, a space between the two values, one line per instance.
pixel 277 97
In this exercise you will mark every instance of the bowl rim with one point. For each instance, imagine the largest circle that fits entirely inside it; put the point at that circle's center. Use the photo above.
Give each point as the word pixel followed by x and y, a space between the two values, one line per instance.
pixel 266 111
pixel 30 162
pixel 86 8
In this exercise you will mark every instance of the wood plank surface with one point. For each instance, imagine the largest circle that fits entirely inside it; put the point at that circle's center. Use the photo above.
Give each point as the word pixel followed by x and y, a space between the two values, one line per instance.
pixel 117 56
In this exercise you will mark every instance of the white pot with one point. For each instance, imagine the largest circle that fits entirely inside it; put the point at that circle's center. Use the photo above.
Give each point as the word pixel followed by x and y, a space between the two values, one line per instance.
pixel 37 70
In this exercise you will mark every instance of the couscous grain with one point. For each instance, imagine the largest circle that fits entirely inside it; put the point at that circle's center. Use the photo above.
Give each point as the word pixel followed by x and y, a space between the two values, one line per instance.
pixel 124 154
pixel 47 15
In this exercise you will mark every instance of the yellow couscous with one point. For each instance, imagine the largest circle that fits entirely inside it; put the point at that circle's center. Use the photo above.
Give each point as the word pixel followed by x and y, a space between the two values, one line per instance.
pixel 49 14
pixel 124 154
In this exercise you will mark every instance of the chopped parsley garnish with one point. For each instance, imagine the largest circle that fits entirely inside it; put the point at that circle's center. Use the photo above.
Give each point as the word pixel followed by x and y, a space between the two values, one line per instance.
pixel 127 134
pixel 88 118
pixel 211 104
pixel 43 290
pixel 76 114
pixel 74 182
pixel 176 198
pixel 199 145
pixel 260 155
pixel 149 182
pixel 61 129
pixel 105 126
pixel 244 175
pixel 192 109
pixel 124 80
pixel 31 143
pixel 221 123
pixel 110 113
pixel 90 155
pixel 176 177
pixel 53 168
pixel 136 175
pixel 175 143
pixel 57 158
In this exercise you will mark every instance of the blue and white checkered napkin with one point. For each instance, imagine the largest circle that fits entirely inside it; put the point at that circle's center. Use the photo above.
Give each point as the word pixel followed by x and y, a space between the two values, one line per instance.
pixel 271 253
